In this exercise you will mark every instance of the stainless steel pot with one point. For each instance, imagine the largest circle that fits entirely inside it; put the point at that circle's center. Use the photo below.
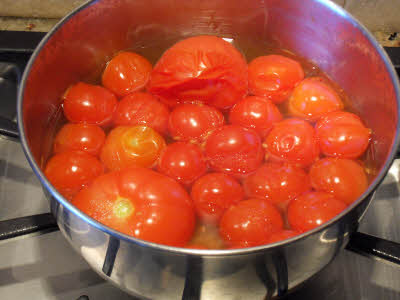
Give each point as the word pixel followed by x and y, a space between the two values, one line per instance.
pixel 77 48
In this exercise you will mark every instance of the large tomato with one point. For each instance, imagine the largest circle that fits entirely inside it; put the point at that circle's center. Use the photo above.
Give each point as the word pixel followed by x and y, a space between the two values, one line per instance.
pixel 141 203
pixel 200 69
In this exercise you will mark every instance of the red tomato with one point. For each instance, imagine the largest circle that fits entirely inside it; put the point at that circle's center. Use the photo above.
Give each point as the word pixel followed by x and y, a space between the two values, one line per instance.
pixel 91 104
pixel 294 141
pixel 70 171
pixel 142 109
pixel 250 223
pixel 141 203
pixel 312 210
pixel 343 178
pixel 255 112
pixel 214 193
pixel 312 98
pixel 85 137
pixel 182 161
pixel 127 72
pixel 277 182
pixel 282 235
pixel 234 149
pixel 342 134
pixel 203 69
pixel 274 76
pixel 127 146
pixel 193 122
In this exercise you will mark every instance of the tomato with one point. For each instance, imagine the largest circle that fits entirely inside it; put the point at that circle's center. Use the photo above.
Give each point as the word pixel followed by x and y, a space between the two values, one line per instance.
pixel 274 76
pixel 234 149
pixel 127 72
pixel 203 69
pixel 141 203
pixel 312 98
pixel 255 112
pixel 70 171
pixel 294 141
pixel 182 161
pixel 343 178
pixel 91 104
pixel 127 146
pixel 193 122
pixel 282 235
pixel 342 134
pixel 85 137
pixel 277 182
pixel 312 210
pixel 250 223
pixel 142 109
pixel 214 193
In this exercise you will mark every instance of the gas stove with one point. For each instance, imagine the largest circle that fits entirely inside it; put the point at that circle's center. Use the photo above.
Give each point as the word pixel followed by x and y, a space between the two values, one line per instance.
pixel 46 267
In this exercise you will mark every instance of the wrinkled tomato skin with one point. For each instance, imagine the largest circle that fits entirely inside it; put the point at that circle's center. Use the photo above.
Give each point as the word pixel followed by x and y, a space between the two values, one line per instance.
pixel 274 77
pixel 70 171
pixel 127 146
pixel 313 209
pixel 90 104
pixel 141 203
pixel 277 182
pixel 213 194
pixel 293 141
pixel 142 109
pixel 250 223
pixel 203 69
pixel 234 150
pixel 255 112
pixel 183 162
pixel 313 98
pixel 345 179
pixel 84 137
pixel 193 122
pixel 125 73
pixel 342 134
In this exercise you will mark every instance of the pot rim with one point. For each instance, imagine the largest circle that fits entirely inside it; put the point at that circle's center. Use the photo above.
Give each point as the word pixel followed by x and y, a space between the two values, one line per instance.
pixel 341 13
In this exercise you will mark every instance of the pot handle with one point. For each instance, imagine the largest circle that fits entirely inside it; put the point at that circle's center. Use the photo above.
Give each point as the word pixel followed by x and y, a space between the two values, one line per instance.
pixel 9 80
pixel 374 247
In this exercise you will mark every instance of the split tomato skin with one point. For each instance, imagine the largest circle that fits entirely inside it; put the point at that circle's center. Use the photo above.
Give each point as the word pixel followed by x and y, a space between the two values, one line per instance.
pixel 90 104
pixel 203 69
pixel 141 203
pixel 125 73
pixel 274 77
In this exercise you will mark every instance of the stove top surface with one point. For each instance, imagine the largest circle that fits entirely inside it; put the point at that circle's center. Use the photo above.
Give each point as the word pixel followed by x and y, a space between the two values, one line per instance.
pixel 46 267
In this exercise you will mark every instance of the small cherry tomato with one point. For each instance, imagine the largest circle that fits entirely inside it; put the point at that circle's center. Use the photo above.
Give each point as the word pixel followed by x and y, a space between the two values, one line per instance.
pixel 70 171
pixel 234 149
pixel 255 112
pixel 127 72
pixel 131 146
pixel 193 122
pixel 214 193
pixel 312 209
pixel 342 134
pixel 91 104
pixel 142 109
pixel 85 137
pixel 182 161
pixel 203 69
pixel 294 141
pixel 277 182
pixel 282 235
pixel 141 203
pixel 274 76
pixel 250 223
pixel 345 179
pixel 312 98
